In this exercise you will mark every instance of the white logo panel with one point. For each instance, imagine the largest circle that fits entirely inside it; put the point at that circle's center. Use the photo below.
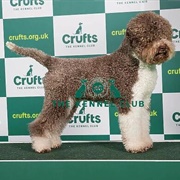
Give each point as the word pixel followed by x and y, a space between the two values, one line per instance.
pixel 171 111
pixel 22 9
pixel 3 117
pixel 113 6
pixel 24 77
pixel 80 35
pixel 89 121
pixel 1 39
pixel 172 16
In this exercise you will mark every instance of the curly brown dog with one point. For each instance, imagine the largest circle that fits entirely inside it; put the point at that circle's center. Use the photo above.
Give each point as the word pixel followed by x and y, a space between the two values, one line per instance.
pixel 132 68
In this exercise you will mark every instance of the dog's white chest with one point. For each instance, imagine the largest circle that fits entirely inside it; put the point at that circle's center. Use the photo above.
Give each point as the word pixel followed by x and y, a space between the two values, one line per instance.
pixel 147 77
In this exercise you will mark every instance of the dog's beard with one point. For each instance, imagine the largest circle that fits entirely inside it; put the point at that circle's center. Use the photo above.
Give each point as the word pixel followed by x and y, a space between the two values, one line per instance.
pixel 159 52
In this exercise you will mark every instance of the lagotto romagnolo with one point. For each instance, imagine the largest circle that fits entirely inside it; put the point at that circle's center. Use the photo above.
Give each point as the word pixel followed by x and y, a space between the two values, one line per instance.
pixel 132 67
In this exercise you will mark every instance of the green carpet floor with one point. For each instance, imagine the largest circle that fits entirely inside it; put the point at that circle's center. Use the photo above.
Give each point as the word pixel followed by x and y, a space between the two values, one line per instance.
pixel 91 151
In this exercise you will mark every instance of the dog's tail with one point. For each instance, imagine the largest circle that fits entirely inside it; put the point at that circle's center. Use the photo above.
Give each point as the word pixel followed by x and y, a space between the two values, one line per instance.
pixel 36 54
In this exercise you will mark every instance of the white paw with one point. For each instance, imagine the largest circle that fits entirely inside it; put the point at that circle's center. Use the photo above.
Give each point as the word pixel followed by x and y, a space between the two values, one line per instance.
pixel 55 142
pixel 41 144
pixel 10 45
pixel 135 147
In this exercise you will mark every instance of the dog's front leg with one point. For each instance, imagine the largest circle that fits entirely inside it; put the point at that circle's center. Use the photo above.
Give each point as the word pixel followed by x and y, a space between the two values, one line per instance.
pixel 135 130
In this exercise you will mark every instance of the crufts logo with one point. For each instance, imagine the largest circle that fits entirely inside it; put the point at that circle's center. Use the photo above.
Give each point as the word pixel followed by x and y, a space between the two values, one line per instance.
pixel 176 33
pixel 176 116
pixel 84 118
pixel 78 37
pixel 28 80
pixel 18 3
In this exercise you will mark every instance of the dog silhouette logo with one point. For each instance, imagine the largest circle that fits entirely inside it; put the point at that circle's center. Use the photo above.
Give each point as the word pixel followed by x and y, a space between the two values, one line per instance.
pixel 115 93
pixel 29 73
pixel 82 110
pixel 82 89
pixel 79 29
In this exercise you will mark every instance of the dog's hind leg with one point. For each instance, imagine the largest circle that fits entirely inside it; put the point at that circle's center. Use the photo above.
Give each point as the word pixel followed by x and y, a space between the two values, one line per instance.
pixel 45 130
pixel 66 115
pixel 42 128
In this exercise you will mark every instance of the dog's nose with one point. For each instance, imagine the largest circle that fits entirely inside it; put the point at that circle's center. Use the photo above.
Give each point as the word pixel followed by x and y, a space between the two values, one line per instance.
pixel 163 49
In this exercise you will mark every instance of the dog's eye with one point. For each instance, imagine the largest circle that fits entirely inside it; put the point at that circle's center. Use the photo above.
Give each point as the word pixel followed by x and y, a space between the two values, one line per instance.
pixel 135 41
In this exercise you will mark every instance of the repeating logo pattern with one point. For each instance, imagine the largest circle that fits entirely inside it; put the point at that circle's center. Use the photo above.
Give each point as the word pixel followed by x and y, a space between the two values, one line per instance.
pixel 24 76
pixel 79 35
pixel 88 122
pixel 21 111
pixel 90 28
pixel 115 31
pixel 170 15
pixel 171 74
pixel 171 114
pixel 30 32
pixel 26 8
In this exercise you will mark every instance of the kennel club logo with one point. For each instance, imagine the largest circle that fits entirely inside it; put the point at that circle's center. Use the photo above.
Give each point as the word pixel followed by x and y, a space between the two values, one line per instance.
pixel 98 88
pixel 29 80
pixel 79 39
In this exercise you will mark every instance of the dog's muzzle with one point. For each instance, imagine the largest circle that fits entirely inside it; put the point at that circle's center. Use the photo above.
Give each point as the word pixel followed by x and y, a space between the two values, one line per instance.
pixel 162 51
pixel 159 52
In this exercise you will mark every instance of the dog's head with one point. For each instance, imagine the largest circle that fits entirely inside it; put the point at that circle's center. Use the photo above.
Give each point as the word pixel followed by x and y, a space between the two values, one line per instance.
pixel 150 38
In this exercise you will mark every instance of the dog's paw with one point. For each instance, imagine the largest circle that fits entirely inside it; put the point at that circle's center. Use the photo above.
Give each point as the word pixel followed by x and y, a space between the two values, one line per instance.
pixel 138 147
pixel 55 142
pixel 41 144
pixel 55 146
pixel 10 45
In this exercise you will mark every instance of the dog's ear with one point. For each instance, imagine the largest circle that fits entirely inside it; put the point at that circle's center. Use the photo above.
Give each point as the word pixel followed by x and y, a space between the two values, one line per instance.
pixel 133 40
